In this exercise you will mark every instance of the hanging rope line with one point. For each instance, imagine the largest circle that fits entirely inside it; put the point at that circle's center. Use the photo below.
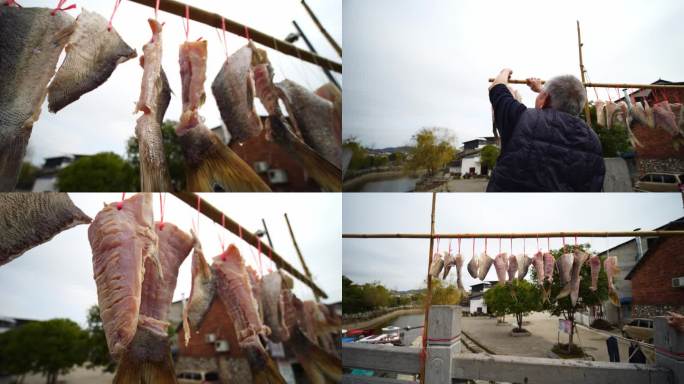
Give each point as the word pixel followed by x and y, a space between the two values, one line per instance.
pixel 60 7
pixel 162 203
pixel 186 22
pixel 119 205
pixel 111 18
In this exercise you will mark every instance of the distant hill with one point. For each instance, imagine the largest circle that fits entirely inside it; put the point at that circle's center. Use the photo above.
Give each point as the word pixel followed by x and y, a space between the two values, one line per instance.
pixel 376 151
pixel 408 292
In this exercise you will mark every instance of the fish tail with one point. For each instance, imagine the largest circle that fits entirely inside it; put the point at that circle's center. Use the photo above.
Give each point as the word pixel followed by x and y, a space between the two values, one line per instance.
pixel 613 296
pixel 319 365
pixel 132 371
pixel 326 174
pixel 564 291
pixel 264 370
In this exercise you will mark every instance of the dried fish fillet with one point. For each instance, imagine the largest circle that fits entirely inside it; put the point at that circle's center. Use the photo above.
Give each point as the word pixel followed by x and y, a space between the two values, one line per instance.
pixel 202 291
pixel 32 40
pixel 92 54
pixel 30 219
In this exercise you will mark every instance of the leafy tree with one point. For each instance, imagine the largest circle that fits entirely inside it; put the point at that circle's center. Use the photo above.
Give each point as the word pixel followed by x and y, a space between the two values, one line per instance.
pixel 359 153
pixel 614 140
pixel 444 295
pixel 526 299
pixel 172 151
pixel 103 172
pixel 50 347
pixel 587 297
pixel 12 361
pixel 498 299
pixel 432 149
pixel 98 352
pixel 488 155
pixel 27 176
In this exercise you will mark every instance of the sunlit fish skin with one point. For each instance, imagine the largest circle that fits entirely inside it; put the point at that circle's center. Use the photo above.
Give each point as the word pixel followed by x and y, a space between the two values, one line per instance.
pixel 92 54
pixel 473 267
pixel 458 262
pixel 595 266
pixel 437 265
pixel 539 266
pixel 501 267
pixel 30 219
pixel 524 263
pixel 32 41
pixel 564 264
pixel 512 267
pixel 272 286
pixel 484 264
pixel 610 265
pixel 448 263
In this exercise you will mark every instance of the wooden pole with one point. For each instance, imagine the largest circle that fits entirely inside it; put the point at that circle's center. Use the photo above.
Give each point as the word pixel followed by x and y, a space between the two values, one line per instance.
pixel 325 33
pixel 214 214
pixel 510 235
pixel 268 235
pixel 428 294
pixel 612 85
pixel 582 71
pixel 214 20
pixel 299 253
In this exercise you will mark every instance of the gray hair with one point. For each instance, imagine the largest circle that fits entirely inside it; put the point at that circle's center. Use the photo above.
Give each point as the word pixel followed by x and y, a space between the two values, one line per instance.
pixel 567 94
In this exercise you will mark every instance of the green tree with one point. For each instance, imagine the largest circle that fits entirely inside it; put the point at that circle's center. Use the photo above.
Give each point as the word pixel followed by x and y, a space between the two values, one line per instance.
pixel 98 352
pixel 27 176
pixel 12 361
pixel 444 294
pixel 488 155
pixel 587 297
pixel 498 299
pixel 172 151
pixel 613 141
pixel 103 172
pixel 432 149
pixel 359 153
pixel 50 347
pixel 526 298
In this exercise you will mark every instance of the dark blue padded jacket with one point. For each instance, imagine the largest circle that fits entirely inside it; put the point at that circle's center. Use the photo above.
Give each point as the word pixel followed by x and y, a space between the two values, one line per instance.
pixel 543 150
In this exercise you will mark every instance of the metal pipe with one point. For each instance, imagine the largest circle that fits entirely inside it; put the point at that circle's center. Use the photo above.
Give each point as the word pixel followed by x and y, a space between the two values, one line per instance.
pixel 308 43
pixel 509 235
pixel 214 20
pixel 215 215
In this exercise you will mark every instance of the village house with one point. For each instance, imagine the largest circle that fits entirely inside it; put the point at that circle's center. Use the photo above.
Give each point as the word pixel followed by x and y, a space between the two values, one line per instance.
pixel 477 303
pixel 658 277
pixel 46 180
pixel 468 160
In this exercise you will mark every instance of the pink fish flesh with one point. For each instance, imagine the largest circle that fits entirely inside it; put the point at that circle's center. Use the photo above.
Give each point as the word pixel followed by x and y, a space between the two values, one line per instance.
pixel 484 264
pixel 501 267
pixel 595 265
pixel 512 267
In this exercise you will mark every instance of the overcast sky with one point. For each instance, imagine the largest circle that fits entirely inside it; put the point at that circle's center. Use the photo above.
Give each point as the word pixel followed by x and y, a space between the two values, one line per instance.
pixel 412 64
pixel 55 279
pixel 402 263
pixel 103 119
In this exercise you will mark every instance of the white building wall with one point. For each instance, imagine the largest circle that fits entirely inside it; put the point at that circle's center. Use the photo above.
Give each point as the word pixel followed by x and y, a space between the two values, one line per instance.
pixel 478 302
pixel 45 184
pixel 470 162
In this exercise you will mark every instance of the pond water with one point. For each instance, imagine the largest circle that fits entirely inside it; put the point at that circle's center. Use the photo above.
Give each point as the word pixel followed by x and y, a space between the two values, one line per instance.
pixel 401 184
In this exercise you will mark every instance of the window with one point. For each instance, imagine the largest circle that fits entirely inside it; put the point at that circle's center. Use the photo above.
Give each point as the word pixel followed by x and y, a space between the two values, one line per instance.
pixel 634 323
pixel 657 178
pixel 671 179
pixel 196 376
pixel 645 178
pixel 211 376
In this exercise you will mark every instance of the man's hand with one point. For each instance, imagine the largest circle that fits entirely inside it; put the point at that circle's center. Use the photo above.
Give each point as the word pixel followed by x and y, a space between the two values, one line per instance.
pixel 534 83
pixel 502 77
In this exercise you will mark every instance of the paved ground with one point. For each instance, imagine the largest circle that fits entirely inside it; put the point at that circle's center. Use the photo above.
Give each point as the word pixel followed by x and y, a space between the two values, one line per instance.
pixel 77 376
pixel 544 335
pixel 464 185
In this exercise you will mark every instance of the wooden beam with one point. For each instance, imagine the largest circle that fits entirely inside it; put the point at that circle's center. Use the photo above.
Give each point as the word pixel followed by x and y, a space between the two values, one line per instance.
pixel 299 253
pixel 215 215
pixel 428 296
pixel 325 33
pixel 214 20
pixel 612 85
pixel 509 235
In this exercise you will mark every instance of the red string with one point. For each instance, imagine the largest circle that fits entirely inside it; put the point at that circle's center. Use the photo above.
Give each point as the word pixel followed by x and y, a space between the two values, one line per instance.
pixel 60 7
pixel 161 211
pixel 120 204
pixel 538 249
pixel 156 9
pixel 485 250
pixel 499 245
pixel 116 6
pixel 450 246
pixel 437 250
pixel 10 3
pixel 548 244
pixel 511 245
pixel 459 246
pixel 473 247
pixel 608 93
pixel 247 33
pixel 524 248
pixel 220 236
pixel 261 270
pixel 240 231
pixel 186 26
pixel 225 42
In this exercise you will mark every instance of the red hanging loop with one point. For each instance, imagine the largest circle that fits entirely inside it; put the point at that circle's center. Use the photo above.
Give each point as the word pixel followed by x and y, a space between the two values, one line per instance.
pixel 240 231
pixel 511 245
pixel 548 243
pixel 186 26
pixel 450 246
pixel 225 42
pixel 247 33
pixel 459 245
pixel 60 7
pixel 116 7
pixel 119 205
pixel 220 235
pixel 499 245
pixel 437 250
pixel 156 10
pixel 485 250
pixel 473 247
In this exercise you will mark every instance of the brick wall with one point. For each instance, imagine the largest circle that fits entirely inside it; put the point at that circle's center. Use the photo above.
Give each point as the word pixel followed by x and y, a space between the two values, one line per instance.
pixel 218 322
pixel 652 281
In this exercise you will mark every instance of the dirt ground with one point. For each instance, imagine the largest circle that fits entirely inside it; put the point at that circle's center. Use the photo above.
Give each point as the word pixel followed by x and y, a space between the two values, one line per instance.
pixel 464 185
pixel 77 376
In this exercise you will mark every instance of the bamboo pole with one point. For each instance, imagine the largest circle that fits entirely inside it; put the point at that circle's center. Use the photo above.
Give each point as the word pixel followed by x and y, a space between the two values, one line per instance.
pixel 299 253
pixel 511 235
pixel 214 20
pixel 582 71
pixel 214 214
pixel 428 295
pixel 325 33
pixel 612 85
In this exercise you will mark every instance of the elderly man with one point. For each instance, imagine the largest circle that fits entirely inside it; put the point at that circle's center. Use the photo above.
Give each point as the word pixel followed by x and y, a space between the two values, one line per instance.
pixel 547 148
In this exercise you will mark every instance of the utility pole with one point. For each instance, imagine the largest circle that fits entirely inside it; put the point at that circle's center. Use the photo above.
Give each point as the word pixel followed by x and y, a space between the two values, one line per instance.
pixel 323 30
pixel 308 43
pixel 268 235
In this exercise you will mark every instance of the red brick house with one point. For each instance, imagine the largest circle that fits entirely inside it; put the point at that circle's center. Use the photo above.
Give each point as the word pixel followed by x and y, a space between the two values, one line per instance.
pixel 658 153
pixel 653 290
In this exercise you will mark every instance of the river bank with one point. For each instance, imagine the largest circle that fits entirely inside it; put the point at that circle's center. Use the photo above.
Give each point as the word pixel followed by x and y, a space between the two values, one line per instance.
pixel 387 180
pixel 381 320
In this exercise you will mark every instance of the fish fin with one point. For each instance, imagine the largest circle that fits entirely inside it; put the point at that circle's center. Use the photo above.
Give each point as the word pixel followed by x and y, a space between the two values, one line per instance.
pixel 565 291
pixel 130 371
pixel 325 173
pixel 613 296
